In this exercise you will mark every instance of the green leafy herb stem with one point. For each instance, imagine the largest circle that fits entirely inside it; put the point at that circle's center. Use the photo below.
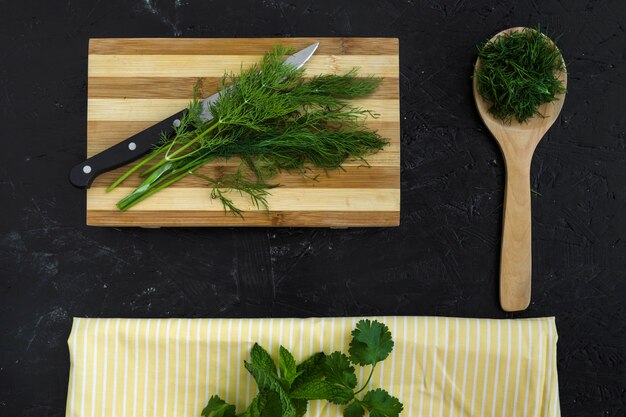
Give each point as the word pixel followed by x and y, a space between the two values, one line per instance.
pixel 273 119
pixel 518 72
pixel 284 391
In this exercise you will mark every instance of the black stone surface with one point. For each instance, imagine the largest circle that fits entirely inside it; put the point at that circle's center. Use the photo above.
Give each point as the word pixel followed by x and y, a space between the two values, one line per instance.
pixel 442 260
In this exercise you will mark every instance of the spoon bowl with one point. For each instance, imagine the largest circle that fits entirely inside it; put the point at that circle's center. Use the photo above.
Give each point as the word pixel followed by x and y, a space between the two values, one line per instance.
pixel 518 142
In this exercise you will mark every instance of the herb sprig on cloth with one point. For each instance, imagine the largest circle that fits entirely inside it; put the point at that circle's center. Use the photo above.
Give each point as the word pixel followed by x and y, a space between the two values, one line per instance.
pixel 274 120
pixel 284 391
pixel 518 72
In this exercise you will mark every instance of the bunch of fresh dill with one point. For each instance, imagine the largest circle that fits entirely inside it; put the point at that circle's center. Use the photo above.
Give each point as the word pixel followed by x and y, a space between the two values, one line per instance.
pixel 273 119
pixel 518 72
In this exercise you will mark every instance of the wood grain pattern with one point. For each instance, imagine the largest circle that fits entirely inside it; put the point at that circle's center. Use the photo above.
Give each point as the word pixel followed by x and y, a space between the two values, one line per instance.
pixel 182 87
pixel 157 109
pixel 517 142
pixel 246 46
pixel 205 65
pixel 135 82
pixel 283 199
pixel 334 219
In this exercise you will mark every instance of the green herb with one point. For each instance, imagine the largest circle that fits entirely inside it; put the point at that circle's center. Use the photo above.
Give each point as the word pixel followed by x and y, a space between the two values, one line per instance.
pixel 518 72
pixel 274 120
pixel 284 391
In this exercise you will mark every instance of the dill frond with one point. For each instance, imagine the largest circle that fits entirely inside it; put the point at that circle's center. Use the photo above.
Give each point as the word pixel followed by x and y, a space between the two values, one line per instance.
pixel 272 118
pixel 518 72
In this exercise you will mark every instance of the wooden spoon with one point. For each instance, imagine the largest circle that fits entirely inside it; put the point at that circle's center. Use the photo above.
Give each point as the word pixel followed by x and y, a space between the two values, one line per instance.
pixel 517 142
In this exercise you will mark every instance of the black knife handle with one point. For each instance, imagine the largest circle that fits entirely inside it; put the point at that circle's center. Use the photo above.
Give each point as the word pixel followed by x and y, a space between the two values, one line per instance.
pixel 83 174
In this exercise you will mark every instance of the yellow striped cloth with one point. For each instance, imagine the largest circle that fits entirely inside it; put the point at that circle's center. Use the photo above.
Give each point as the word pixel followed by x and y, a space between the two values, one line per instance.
pixel 440 367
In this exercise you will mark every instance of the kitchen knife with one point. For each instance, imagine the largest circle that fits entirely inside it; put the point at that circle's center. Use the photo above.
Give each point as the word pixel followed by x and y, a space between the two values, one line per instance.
pixel 83 174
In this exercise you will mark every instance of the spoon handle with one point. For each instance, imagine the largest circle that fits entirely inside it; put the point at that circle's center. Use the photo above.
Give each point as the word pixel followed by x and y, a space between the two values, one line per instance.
pixel 516 256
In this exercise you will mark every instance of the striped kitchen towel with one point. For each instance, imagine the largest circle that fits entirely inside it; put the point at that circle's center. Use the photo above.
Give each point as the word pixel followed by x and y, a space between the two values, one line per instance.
pixel 439 367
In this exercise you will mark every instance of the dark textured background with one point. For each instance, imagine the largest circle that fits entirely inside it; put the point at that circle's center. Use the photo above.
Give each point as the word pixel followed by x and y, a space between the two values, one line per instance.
pixel 442 260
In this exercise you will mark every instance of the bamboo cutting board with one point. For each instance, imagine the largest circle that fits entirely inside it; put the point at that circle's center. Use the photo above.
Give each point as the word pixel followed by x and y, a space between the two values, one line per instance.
pixel 134 83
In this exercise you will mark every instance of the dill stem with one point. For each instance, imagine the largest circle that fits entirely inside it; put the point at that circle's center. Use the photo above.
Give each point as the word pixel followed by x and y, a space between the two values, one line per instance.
pixel 134 168
pixel 122 205
pixel 159 184
pixel 168 157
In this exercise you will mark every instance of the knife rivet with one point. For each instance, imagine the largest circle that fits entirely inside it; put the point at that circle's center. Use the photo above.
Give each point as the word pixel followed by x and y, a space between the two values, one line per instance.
pixel 132 146
pixel 176 123
pixel 86 169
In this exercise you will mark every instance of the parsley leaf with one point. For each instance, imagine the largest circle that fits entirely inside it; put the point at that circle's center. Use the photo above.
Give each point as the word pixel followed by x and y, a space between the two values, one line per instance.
pixel 371 343
pixel 218 408
pixel 381 404
pixel 337 369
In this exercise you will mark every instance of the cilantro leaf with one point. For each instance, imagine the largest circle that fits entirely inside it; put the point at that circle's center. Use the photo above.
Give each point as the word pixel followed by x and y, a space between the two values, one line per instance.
pixel 262 359
pixel 337 369
pixel 381 404
pixel 371 343
pixel 320 389
pixel 287 365
pixel 218 408
pixel 266 380
pixel 355 409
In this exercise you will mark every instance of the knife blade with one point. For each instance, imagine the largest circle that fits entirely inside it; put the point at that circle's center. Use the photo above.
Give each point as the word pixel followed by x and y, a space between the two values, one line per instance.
pixel 83 174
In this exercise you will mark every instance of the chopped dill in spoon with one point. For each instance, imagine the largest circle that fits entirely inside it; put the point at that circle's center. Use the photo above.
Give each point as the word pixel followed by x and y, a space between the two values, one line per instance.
pixel 272 119
pixel 518 72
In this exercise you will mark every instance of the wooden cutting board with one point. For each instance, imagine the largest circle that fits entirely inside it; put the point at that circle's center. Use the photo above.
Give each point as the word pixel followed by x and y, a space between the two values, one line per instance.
pixel 134 83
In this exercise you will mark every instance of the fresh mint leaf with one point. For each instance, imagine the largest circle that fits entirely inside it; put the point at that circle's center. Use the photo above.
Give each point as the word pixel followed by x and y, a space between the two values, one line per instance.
pixel 262 359
pixel 265 404
pixel 256 406
pixel 311 365
pixel 273 406
pixel 309 370
pixel 266 380
pixel 380 404
pixel 284 391
pixel 287 366
pixel 320 389
pixel 301 406
pixel 371 343
pixel 218 408
pixel 337 369
pixel 355 409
